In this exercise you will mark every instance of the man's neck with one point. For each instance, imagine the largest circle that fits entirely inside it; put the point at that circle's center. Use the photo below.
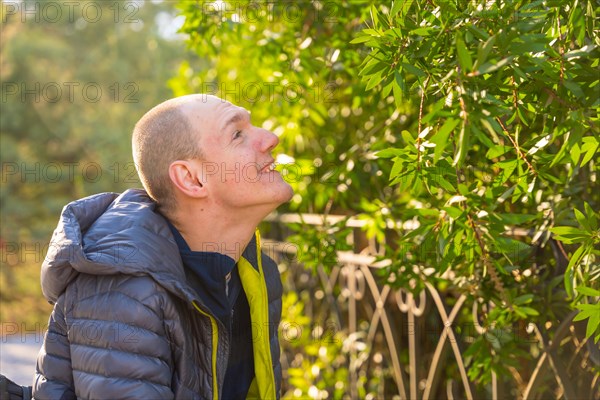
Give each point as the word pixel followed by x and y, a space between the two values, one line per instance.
pixel 216 233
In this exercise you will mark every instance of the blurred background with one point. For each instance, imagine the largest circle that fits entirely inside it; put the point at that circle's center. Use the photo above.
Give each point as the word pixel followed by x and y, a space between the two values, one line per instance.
pixel 75 79
pixel 73 86
pixel 443 239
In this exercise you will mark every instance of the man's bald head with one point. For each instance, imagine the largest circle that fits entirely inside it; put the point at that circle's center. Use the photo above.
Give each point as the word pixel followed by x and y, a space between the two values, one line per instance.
pixel 163 135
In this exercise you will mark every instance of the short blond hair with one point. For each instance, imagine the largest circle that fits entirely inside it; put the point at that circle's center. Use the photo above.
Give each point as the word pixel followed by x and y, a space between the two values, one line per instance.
pixel 163 135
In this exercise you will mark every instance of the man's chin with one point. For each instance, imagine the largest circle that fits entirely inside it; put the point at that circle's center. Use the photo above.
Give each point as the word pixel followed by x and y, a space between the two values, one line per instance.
pixel 283 196
pixel 290 193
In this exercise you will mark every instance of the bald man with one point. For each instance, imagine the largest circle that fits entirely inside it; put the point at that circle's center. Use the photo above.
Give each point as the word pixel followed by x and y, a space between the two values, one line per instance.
pixel 164 292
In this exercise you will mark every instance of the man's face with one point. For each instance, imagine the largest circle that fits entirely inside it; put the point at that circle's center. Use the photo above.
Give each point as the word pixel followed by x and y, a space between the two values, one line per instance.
pixel 237 160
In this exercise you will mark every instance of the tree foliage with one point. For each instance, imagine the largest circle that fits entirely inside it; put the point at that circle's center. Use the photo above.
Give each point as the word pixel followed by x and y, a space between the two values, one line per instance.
pixel 74 83
pixel 506 136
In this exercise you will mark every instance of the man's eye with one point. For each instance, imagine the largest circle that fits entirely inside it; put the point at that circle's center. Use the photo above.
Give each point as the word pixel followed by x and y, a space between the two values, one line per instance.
pixel 237 134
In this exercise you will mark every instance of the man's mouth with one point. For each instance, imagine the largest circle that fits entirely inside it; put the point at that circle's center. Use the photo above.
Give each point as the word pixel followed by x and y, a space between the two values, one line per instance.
pixel 269 167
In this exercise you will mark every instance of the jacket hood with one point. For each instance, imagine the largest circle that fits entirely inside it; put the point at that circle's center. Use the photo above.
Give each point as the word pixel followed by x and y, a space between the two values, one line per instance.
pixel 107 234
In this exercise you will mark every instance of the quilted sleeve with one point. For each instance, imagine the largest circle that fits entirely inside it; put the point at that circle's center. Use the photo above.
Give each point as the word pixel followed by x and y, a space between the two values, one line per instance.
pixel 115 347
pixel 54 377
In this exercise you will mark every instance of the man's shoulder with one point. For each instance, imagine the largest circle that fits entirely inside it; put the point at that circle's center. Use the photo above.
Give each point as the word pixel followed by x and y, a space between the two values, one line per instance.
pixel 141 288
pixel 133 300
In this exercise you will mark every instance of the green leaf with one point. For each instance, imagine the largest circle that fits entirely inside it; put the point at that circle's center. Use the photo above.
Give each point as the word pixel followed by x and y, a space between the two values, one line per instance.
pixel 589 147
pixel 389 153
pixel 398 94
pixel 575 154
pixel 374 81
pixel 427 212
pixel 586 310
pixel 408 139
pixel 568 230
pixel 387 88
pixel 508 167
pixel 374 15
pixel 489 68
pixel 399 89
pixel 574 88
pixel 577 255
pixel 413 70
pixel 424 31
pixel 474 348
pixel 592 313
pixel 441 137
pixel 529 311
pixel 443 183
pixel 524 299
pixel 492 127
pixel 478 32
pixel 397 169
pixel 573 138
pixel 582 220
pixel 372 32
pixel 593 322
pixel 403 174
pixel 464 58
pixel 397 7
pixel 484 50
pixel 516 219
pixel 417 187
pixel 372 67
pixel 497 151
pixel 361 39
pixel 568 282
pixel 515 250
pixel 591 215
pixel 453 212
pixel 588 291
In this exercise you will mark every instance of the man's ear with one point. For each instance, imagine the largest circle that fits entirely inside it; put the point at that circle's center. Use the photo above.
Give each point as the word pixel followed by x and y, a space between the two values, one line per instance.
pixel 186 177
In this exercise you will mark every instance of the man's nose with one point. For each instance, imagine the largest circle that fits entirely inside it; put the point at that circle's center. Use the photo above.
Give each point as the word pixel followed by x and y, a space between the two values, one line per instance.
pixel 268 141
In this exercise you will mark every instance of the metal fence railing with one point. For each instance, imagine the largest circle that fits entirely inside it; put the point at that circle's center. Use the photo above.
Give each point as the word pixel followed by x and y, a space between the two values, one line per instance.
pixel 416 344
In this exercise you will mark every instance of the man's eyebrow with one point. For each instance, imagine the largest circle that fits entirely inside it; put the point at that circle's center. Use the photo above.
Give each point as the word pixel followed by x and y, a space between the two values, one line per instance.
pixel 237 117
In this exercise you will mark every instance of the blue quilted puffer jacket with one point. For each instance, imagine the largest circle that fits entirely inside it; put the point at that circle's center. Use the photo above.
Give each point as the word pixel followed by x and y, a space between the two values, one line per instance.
pixel 126 324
